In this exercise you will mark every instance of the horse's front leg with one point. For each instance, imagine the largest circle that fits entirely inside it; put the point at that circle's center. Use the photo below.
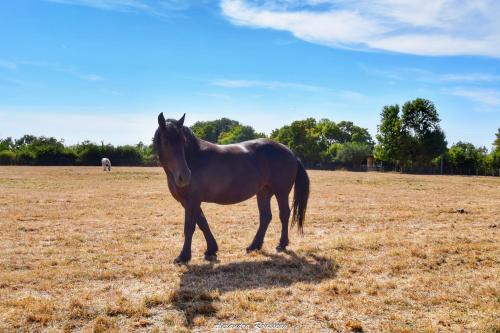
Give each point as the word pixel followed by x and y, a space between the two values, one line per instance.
pixel 190 216
pixel 212 248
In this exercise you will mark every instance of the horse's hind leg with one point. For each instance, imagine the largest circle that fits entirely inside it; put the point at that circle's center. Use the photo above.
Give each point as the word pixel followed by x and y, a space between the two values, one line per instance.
pixel 212 248
pixel 284 207
pixel 265 216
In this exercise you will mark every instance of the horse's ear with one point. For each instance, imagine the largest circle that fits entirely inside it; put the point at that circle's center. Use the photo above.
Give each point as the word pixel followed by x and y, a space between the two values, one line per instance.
pixel 161 120
pixel 180 122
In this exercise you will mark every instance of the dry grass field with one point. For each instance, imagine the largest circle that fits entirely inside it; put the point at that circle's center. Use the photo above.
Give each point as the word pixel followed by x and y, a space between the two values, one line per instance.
pixel 85 250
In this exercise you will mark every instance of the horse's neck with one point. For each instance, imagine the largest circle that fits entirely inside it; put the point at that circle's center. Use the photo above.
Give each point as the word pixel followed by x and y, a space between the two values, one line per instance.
pixel 171 181
pixel 192 149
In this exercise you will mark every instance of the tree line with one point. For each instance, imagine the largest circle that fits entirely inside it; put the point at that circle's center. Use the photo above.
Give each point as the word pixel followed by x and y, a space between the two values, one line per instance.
pixel 40 150
pixel 409 139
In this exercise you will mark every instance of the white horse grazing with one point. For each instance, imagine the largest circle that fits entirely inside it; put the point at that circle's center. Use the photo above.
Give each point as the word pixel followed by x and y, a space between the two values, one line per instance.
pixel 106 164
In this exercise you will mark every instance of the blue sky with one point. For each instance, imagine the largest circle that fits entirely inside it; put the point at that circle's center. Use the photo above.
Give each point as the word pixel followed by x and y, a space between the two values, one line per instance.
pixel 104 69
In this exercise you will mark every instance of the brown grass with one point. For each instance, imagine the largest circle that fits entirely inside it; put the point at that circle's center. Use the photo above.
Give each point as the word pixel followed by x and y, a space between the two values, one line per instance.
pixel 85 250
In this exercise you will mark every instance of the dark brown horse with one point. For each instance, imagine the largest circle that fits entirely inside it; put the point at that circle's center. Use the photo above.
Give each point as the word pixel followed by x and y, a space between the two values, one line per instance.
pixel 199 171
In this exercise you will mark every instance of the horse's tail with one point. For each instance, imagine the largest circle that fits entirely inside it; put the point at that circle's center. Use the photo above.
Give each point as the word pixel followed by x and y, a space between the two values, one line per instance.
pixel 300 197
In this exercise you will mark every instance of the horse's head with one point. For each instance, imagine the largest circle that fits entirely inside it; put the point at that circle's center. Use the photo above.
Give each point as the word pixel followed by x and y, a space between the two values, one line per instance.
pixel 169 142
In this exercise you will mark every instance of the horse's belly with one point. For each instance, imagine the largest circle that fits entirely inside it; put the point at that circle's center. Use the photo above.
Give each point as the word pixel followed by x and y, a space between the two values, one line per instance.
pixel 231 191
pixel 230 199
pixel 231 195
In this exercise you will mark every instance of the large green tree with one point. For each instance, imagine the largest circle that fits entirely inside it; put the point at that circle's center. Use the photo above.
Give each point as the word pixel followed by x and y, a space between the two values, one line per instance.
pixel 421 126
pixel 496 143
pixel 494 157
pixel 420 117
pixel 7 156
pixel 6 144
pixel 211 130
pixel 303 137
pixel 239 133
pixel 465 158
pixel 390 136
pixel 411 135
pixel 224 131
pixel 353 153
pixel 317 142
pixel 342 132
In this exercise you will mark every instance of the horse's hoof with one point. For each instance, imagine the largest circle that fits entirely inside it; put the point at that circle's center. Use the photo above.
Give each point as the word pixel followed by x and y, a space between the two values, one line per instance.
pixel 280 248
pixel 210 257
pixel 251 249
pixel 180 261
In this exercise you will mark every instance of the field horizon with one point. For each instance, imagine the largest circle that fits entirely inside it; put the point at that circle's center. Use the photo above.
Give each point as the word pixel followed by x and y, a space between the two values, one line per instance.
pixel 91 251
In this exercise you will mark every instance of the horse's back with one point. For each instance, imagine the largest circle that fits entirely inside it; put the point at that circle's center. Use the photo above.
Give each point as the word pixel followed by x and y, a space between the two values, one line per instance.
pixel 264 145
pixel 264 150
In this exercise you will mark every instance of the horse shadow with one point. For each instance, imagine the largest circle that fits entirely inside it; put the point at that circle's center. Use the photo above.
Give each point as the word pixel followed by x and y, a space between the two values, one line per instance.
pixel 201 285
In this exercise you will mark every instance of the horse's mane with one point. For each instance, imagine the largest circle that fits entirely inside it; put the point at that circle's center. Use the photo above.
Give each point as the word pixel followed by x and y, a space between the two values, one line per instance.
pixel 192 144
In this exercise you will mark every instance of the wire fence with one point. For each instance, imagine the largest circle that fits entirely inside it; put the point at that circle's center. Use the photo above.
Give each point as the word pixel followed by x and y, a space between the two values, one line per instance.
pixel 429 170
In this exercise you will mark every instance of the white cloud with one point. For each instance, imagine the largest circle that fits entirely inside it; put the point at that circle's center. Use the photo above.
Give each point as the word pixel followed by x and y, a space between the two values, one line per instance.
pixel 423 75
pixel 10 82
pixel 155 7
pixel 216 95
pixel 471 86
pixel 54 66
pixel 469 77
pixel 106 4
pixel 91 77
pixel 265 84
pixel 422 27
pixel 7 64
pixel 283 85
pixel 488 97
